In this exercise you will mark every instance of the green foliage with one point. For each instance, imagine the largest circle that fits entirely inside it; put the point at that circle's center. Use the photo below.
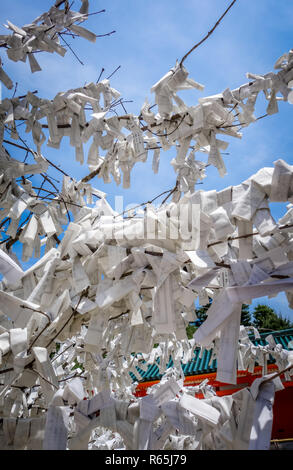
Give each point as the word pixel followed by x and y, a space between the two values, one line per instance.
pixel 201 312
pixel 265 317
pixel 57 347
pixel 201 315
pixel 190 329
pixel 245 315
pixel 77 365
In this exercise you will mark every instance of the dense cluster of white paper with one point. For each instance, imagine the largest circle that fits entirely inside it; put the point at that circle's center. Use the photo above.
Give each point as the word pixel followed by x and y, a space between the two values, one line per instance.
pixel 118 292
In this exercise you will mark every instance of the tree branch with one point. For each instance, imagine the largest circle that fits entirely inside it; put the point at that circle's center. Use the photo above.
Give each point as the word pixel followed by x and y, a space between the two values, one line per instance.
pixel 207 35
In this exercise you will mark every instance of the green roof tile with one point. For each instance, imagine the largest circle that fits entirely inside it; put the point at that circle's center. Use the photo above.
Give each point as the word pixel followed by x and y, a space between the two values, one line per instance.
pixel 200 365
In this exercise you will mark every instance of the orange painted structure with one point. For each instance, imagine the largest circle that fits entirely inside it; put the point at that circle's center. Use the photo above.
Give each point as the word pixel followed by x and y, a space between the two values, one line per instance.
pixel 283 405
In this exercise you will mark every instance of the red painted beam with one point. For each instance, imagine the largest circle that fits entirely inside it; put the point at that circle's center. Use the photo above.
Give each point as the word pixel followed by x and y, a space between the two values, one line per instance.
pixel 243 377
pixel 283 409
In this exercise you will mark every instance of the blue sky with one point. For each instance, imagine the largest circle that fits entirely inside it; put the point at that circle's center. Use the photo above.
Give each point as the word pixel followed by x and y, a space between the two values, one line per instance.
pixel 149 37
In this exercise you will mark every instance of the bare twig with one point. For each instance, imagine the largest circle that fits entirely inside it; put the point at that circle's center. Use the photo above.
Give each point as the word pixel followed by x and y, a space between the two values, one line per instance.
pixel 278 374
pixel 57 200
pixel 91 175
pixel 170 133
pixel 60 354
pixel 120 315
pixel 15 88
pixel 117 68
pixel 207 35
pixel 242 123
pixel 101 73
pixel 42 330
pixel 248 235
pixel 6 370
pixel 27 149
pixel 83 294
pixel 19 146
pixel 106 34
pixel 10 241
pixel 61 197
pixel 57 168
pixel 170 191
pixel 40 188
pixel 44 378
pixel 7 219
pixel 95 13
pixel 60 2
pixel 38 335
pixel 70 48
pixel 72 377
